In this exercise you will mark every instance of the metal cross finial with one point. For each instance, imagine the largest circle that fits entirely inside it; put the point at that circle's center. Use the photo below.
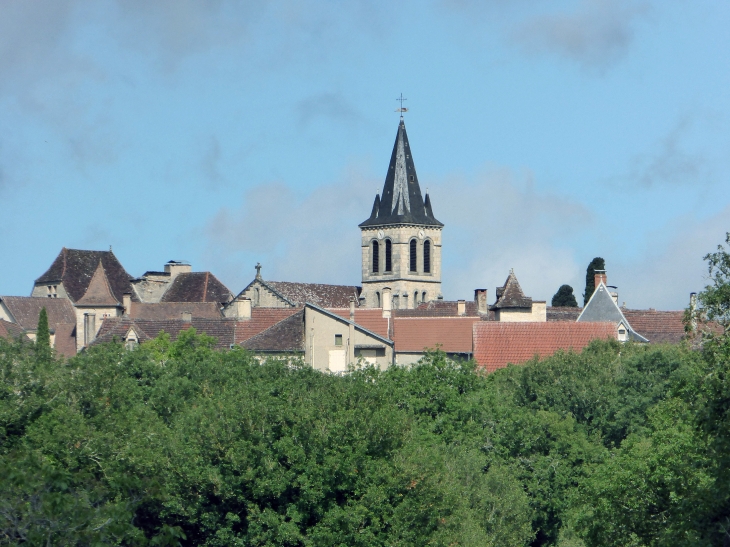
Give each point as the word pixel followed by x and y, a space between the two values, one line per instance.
pixel 258 270
pixel 401 109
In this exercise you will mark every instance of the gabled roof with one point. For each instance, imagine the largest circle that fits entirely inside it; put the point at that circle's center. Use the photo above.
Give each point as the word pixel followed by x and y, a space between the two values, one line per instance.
pixel 261 319
pixel 401 201
pixel 286 336
pixel 441 308
pixel 371 319
pixel 452 334
pixel 75 268
pixel 26 310
pixel 197 287
pixel 347 321
pixel 221 329
pixel 11 331
pixel 658 326
pixel 602 307
pixel 174 310
pixel 497 344
pixel 99 292
pixel 510 295
pixel 326 296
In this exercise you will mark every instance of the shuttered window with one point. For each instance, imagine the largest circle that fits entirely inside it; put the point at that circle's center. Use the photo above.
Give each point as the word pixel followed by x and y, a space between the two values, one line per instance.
pixel 414 263
pixel 388 251
pixel 376 257
pixel 427 256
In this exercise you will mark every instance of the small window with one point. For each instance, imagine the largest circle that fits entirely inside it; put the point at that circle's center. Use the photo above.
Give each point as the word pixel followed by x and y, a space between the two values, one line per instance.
pixel 427 256
pixel 388 256
pixel 376 257
pixel 415 299
pixel 413 256
pixel 377 299
pixel 256 296
pixel 621 331
pixel 412 178
pixel 338 339
pixel 423 297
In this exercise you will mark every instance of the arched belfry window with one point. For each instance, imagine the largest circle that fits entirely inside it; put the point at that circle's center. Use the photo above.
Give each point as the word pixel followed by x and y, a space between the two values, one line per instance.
pixel 413 256
pixel 376 257
pixel 388 256
pixel 427 256
pixel 377 299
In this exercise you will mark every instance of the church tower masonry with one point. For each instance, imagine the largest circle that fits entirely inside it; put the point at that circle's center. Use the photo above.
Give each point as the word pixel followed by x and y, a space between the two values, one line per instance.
pixel 401 241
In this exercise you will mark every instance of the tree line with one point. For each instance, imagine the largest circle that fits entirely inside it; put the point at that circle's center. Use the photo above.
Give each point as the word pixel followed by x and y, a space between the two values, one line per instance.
pixel 175 443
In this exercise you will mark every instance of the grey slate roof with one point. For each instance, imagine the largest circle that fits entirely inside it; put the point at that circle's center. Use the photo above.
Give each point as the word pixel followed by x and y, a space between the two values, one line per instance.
pixel 286 336
pixel 197 287
pixel 401 202
pixel 510 295
pixel 602 308
pixel 75 268
pixel 26 310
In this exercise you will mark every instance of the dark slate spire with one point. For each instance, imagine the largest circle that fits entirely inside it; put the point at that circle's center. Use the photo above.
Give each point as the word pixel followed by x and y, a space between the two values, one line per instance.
pixel 401 201
pixel 376 208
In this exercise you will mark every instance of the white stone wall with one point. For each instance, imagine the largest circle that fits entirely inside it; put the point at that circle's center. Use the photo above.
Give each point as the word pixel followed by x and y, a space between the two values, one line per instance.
pixel 538 313
pixel 101 314
pixel 261 297
pixel 55 290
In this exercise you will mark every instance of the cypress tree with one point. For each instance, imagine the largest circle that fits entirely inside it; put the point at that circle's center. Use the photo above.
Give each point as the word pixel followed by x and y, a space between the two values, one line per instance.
pixel 596 264
pixel 43 335
pixel 565 297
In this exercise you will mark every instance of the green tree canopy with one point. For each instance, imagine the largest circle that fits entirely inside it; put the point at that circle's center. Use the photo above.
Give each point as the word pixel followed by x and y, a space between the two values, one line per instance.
pixel 596 264
pixel 564 297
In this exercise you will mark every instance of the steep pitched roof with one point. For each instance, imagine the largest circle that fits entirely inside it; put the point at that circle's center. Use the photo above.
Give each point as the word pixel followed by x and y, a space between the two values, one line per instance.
pixel 510 295
pixel 453 334
pixel 197 287
pixel 173 310
pixel 223 330
pixel 601 307
pixel 286 336
pixel 26 310
pixel 11 331
pixel 75 268
pixel 658 326
pixel 497 344
pixel 401 202
pixel 346 320
pixel 64 340
pixel 261 319
pixel 326 296
pixel 99 292
pixel 371 319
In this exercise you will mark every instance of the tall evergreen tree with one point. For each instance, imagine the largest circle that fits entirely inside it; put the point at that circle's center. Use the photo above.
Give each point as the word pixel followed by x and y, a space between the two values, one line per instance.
pixel 596 264
pixel 43 335
pixel 565 297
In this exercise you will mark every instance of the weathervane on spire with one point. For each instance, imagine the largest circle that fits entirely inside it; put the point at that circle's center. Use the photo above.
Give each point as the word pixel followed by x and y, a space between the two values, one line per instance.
pixel 401 109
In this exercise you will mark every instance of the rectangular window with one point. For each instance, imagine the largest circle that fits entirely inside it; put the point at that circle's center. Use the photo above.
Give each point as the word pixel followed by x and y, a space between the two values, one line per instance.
pixel 338 339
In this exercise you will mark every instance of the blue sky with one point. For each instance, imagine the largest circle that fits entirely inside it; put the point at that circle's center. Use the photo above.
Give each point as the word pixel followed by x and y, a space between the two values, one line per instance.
pixel 226 133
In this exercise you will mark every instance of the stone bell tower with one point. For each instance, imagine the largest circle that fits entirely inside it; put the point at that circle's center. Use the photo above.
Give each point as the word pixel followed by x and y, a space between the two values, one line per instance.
pixel 401 241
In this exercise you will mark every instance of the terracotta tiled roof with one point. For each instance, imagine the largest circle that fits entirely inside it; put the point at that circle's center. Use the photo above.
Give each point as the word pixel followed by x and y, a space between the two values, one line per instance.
pixel 261 319
pixel 75 268
pixel 27 309
pixel 65 339
pixel 286 336
pixel 510 295
pixel 370 319
pixel 222 329
pixel 560 313
pixel 174 310
pixel 324 296
pixel 197 287
pixel 439 308
pixel 657 326
pixel 497 344
pixel 11 331
pixel 99 292
pixel 453 334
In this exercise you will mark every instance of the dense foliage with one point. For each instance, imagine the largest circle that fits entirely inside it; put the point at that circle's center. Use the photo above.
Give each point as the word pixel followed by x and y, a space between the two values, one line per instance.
pixel 596 264
pixel 175 443
pixel 564 297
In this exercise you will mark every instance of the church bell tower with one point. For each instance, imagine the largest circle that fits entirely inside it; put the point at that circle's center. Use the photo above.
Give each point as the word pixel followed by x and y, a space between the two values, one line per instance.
pixel 401 241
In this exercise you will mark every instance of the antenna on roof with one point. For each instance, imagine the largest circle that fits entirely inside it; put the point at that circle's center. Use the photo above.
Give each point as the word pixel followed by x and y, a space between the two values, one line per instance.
pixel 401 109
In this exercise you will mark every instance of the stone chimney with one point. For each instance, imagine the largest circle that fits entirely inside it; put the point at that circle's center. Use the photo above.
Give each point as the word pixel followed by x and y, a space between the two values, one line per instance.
pixel 600 276
pixel 239 309
pixel 127 303
pixel 352 309
pixel 693 310
pixel 461 307
pixel 387 301
pixel 187 317
pixel 480 297
pixel 174 268
pixel 89 328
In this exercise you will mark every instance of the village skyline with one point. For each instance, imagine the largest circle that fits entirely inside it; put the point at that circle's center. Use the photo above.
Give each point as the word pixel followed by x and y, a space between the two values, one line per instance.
pixel 226 134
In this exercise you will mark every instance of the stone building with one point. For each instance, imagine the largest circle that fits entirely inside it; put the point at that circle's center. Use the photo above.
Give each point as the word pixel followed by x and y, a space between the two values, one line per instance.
pixel 401 241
